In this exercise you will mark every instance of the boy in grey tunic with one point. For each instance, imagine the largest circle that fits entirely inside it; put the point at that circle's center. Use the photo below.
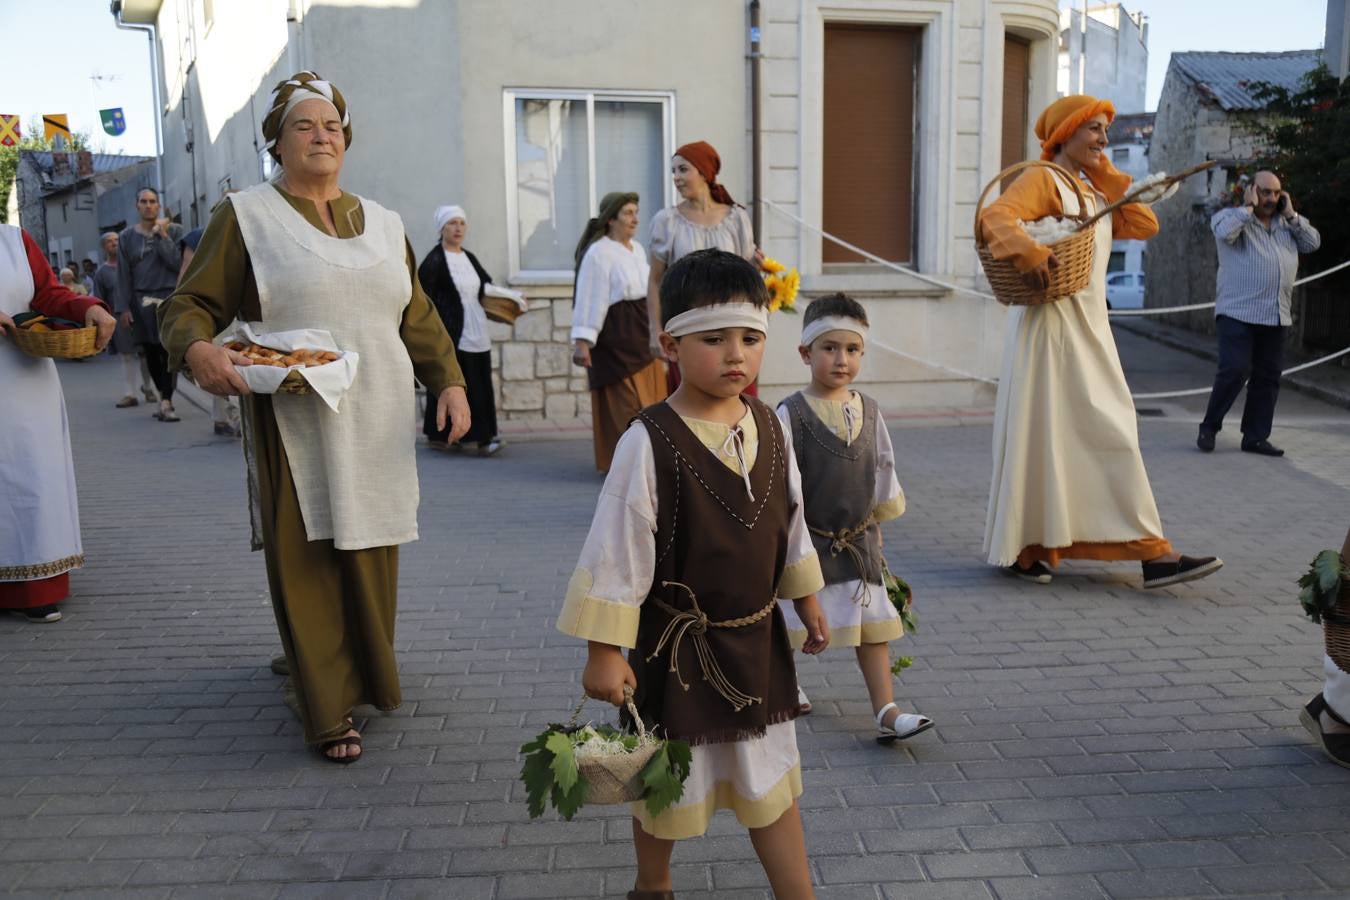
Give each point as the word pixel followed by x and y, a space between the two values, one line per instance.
pixel 848 488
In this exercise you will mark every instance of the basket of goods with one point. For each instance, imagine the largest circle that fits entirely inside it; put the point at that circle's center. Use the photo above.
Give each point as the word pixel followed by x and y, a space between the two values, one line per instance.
pixel 302 358
pixel 39 335
pixel 503 304
pixel 569 766
pixel 1069 238
pixel 1325 598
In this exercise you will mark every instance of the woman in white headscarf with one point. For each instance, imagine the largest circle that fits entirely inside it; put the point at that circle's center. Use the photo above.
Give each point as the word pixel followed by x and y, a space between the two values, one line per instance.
pixel 455 280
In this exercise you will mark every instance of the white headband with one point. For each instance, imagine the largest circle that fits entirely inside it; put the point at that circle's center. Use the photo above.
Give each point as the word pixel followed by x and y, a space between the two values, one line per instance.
pixel 309 90
pixel 446 213
pixel 826 324
pixel 719 315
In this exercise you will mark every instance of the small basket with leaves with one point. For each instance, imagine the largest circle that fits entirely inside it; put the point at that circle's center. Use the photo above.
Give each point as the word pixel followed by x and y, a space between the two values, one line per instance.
pixel 1325 597
pixel 569 766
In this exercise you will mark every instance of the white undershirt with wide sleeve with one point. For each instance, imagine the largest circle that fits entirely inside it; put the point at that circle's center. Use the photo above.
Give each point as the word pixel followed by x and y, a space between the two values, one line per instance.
pixel 610 273
pixel 474 338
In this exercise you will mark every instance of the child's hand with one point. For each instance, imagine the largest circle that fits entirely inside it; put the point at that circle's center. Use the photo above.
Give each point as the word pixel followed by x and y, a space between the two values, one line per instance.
pixel 817 629
pixel 606 673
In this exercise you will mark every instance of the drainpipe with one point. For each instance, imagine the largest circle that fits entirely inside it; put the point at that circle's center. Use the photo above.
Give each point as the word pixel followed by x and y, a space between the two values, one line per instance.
pixel 116 10
pixel 756 141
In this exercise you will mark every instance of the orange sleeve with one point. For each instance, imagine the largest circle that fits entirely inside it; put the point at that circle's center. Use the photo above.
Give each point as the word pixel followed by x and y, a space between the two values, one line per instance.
pixel 1032 196
pixel 1131 221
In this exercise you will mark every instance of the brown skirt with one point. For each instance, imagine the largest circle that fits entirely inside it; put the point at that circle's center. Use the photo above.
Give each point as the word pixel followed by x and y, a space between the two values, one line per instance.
pixel 334 608
pixel 613 407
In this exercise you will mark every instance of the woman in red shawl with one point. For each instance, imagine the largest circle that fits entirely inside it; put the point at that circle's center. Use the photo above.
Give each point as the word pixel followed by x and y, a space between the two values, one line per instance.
pixel 39 517
pixel 706 216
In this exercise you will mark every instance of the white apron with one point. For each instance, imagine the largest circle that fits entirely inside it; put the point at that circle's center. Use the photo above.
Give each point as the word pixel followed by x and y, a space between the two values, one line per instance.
pixel 39 516
pixel 1067 467
pixel 354 470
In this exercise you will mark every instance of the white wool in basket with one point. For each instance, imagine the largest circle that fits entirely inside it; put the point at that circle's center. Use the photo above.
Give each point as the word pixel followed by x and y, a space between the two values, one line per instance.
pixel 1049 230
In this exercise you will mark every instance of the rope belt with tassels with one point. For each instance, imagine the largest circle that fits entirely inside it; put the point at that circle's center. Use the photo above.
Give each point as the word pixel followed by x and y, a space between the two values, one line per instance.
pixel 694 622
pixel 846 539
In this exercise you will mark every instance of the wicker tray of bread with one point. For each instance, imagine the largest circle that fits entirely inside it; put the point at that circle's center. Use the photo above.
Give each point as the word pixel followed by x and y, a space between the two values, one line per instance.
pixel 304 357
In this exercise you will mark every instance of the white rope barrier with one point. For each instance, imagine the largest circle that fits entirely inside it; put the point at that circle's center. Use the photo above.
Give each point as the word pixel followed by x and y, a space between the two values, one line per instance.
pixel 936 282
pixel 1152 395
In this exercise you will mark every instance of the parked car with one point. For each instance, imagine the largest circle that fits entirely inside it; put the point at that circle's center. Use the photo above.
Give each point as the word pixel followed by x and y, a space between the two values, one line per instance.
pixel 1125 290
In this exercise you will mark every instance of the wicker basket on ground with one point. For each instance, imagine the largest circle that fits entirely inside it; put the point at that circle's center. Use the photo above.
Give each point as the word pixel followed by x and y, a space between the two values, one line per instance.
pixel 1075 252
pixel 70 343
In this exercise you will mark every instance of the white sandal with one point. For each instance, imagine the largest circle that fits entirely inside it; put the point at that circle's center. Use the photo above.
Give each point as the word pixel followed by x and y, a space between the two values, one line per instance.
pixel 803 702
pixel 906 725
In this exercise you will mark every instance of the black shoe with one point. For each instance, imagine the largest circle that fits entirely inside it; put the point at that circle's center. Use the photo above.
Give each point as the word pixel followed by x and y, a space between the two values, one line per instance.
pixel 280 665
pixel 1205 440
pixel 1263 447
pixel 1336 744
pixel 1037 573
pixel 40 615
pixel 1188 568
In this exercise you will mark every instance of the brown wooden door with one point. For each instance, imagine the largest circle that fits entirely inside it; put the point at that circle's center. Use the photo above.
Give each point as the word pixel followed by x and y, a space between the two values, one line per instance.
pixel 870 80
pixel 1016 77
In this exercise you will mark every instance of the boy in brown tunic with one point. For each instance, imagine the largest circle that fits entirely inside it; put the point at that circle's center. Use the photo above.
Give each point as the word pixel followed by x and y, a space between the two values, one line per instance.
pixel 697 529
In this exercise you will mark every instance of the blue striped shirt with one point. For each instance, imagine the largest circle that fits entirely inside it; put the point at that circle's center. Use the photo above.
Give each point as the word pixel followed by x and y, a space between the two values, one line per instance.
pixel 1258 266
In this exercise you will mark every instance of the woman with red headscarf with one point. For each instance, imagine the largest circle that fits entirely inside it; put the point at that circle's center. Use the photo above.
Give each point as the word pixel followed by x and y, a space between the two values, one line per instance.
pixel 1069 481
pixel 706 216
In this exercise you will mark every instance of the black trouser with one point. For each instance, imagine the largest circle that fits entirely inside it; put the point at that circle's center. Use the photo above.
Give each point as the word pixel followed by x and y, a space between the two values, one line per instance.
pixel 477 369
pixel 157 361
pixel 1252 355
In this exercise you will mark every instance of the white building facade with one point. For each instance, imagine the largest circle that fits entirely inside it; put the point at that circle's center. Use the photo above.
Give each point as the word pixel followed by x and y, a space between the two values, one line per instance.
pixel 525 112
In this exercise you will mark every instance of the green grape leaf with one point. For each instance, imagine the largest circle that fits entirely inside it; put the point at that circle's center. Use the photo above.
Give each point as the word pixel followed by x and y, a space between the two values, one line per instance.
pixel 901 663
pixel 537 774
pixel 567 802
pixel 564 763
pixel 664 775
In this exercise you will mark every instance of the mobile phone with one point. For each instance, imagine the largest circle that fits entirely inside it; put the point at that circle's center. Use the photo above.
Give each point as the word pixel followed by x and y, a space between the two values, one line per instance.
pixel 1282 203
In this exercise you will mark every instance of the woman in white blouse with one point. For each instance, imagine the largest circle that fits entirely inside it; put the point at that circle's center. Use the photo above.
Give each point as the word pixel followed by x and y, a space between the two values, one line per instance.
pixel 454 280
pixel 610 323
pixel 706 216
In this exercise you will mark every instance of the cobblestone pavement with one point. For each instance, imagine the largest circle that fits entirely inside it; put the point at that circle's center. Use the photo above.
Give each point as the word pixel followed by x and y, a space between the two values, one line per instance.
pixel 1094 740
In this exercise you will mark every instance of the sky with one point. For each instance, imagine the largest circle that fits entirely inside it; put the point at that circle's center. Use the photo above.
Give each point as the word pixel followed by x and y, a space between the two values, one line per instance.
pixel 96 66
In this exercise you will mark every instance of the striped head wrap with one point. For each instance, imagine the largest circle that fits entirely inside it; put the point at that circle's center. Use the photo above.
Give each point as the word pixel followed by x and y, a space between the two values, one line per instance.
pixel 289 94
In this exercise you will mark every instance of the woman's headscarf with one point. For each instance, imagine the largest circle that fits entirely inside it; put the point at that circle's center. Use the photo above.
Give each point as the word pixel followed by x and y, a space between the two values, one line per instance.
pixel 610 206
pixel 445 214
pixel 1065 116
pixel 702 156
pixel 292 92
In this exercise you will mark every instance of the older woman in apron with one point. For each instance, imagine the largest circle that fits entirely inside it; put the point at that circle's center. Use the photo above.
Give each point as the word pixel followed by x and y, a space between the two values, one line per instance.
pixel 334 493
pixel 39 516
pixel 1068 479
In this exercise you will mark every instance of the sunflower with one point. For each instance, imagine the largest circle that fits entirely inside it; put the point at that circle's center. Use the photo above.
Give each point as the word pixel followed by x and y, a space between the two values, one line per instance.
pixel 783 284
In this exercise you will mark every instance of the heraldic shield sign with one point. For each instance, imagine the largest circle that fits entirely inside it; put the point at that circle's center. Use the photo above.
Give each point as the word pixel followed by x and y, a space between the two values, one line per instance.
pixel 113 121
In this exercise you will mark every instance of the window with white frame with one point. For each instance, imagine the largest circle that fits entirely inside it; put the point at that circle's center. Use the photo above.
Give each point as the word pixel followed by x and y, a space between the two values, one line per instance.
pixel 567 149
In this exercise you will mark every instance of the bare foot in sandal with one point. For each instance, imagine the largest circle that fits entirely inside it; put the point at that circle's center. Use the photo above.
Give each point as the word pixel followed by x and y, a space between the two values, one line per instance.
pixel 345 749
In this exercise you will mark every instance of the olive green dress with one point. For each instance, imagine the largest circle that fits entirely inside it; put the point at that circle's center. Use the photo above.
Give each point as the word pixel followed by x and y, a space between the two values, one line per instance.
pixel 334 608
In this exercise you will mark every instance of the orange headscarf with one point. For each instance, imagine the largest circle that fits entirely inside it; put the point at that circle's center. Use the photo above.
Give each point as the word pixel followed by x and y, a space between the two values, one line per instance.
pixel 702 156
pixel 1065 116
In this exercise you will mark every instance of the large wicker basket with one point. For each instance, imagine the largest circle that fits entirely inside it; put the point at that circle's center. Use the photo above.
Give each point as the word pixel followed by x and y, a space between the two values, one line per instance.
pixel 614 779
pixel 1075 252
pixel 70 343
pixel 1336 630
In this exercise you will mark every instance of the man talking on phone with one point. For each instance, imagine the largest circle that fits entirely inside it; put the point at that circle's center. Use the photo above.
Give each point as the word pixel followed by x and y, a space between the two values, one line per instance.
pixel 1259 243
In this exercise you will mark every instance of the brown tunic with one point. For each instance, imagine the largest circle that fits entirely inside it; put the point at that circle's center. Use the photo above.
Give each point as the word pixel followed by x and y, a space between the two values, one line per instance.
pixel 728 551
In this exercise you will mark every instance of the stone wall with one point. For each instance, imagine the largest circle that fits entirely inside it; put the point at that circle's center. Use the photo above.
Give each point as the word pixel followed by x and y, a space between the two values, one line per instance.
pixel 532 368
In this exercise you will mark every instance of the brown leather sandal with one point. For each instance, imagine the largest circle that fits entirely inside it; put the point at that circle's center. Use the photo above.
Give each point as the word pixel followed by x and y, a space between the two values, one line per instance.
pixel 347 740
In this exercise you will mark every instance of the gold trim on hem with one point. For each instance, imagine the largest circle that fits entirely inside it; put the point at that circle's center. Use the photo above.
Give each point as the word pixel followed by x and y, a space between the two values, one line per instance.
pixel 593 619
pixel 801 578
pixel 692 819
pixel 881 632
pixel 39 571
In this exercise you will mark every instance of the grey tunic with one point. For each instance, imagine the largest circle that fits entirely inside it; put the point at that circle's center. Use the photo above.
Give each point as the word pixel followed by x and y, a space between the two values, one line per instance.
pixel 147 266
pixel 105 289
